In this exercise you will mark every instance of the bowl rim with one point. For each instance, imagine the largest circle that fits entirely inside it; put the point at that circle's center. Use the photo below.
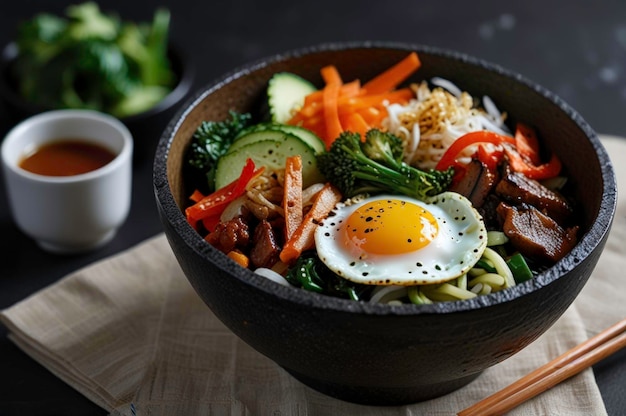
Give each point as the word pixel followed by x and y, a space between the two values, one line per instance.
pixel 593 237
pixel 181 62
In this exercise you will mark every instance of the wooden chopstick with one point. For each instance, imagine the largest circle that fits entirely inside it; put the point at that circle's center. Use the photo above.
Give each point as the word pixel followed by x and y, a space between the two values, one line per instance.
pixel 549 375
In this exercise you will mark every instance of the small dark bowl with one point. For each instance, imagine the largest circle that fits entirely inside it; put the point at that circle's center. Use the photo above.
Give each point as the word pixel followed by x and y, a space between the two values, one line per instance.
pixel 146 127
pixel 382 354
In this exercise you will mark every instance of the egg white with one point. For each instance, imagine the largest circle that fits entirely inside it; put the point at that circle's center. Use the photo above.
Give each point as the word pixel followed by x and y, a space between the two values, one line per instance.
pixel 459 244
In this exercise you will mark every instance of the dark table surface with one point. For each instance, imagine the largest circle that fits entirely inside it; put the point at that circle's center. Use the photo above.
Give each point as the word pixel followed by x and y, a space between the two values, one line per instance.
pixel 576 49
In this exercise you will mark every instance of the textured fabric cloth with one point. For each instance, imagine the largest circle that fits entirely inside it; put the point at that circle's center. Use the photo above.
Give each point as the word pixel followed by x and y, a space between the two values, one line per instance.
pixel 130 334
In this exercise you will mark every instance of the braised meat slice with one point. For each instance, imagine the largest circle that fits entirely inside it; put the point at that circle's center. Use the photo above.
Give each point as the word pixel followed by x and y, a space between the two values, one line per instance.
pixel 477 183
pixel 534 234
pixel 489 212
pixel 265 246
pixel 229 235
pixel 515 187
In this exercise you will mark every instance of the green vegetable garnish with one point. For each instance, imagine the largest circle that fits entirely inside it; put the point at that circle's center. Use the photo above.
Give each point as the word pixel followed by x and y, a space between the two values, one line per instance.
pixel 375 166
pixel 212 139
pixel 482 264
pixel 311 274
pixel 519 268
pixel 94 60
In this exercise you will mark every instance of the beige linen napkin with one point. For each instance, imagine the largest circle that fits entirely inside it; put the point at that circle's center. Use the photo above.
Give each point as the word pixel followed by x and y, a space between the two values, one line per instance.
pixel 130 334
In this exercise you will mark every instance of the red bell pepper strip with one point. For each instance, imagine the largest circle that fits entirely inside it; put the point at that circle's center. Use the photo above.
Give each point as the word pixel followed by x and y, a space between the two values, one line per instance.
pixel 210 223
pixel 521 151
pixel 490 157
pixel 527 143
pixel 538 172
pixel 449 157
pixel 215 203
pixel 526 158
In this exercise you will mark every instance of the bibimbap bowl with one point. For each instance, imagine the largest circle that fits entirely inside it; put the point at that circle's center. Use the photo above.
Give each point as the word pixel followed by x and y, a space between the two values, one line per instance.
pixel 383 354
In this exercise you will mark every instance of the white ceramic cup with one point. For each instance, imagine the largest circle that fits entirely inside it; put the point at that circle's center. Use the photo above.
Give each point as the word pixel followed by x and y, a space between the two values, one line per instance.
pixel 69 214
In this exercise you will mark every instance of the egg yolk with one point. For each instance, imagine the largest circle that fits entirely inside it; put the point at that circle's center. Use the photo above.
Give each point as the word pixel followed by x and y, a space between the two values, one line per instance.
pixel 390 226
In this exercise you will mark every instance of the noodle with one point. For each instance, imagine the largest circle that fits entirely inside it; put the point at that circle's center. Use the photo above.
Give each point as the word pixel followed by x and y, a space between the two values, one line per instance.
pixel 446 292
pixel 500 266
pixel 491 279
pixel 385 294
pixel 417 297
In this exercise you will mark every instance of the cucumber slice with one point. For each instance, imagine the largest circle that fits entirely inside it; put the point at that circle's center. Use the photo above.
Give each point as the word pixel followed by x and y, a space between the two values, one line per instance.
pixel 269 153
pixel 258 136
pixel 303 134
pixel 286 91
pixel 306 136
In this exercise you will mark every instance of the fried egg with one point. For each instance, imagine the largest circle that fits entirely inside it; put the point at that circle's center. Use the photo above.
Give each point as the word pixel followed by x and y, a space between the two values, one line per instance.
pixel 396 240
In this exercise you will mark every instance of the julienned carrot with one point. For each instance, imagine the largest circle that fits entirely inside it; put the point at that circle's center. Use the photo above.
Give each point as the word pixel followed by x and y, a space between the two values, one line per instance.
pixel 355 123
pixel 240 258
pixel 350 102
pixel 304 237
pixel 316 116
pixel 330 97
pixel 292 196
pixel 373 116
pixel 330 75
pixel 376 100
pixel 331 111
pixel 316 125
pixel 394 76
pixel 347 90
pixel 350 89
pixel 326 112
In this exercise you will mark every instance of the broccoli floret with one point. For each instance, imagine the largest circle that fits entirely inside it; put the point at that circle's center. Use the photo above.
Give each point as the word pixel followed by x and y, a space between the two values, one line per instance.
pixel 375 166
pixel 382 147
pixel 310 273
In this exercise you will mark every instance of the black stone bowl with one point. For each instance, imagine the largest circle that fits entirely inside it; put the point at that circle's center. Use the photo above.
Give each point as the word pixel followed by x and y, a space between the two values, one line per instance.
pixel 146 127
pixel 380 354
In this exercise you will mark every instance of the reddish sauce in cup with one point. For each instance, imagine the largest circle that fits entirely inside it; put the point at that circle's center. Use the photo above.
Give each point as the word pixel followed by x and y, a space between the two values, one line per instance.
pixel 66 157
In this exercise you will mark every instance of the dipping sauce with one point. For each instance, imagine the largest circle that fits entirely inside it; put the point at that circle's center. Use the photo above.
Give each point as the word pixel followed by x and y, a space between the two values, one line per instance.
pixel 66 158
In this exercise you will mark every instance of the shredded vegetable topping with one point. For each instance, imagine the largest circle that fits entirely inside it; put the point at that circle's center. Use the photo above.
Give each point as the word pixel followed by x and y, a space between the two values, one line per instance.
pixel 435 118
